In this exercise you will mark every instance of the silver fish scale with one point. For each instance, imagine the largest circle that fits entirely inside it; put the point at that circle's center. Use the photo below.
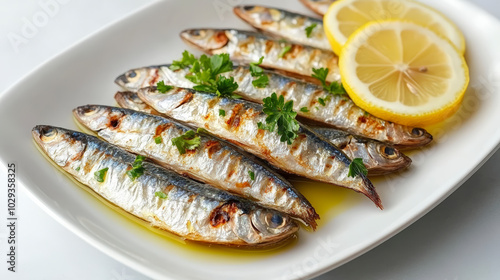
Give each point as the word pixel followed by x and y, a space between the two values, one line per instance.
pixel 214 161
pixel 309 155
pixel 186 211
pixel 246 47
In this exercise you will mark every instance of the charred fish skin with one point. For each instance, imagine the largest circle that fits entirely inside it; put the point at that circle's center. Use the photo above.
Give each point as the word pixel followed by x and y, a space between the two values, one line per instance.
pixel 379 158
pixel 339 112
pixel 246 47
pixel 309 155
pixel 318 6
pixel 214 162
pixel 189 209
pixel 284 24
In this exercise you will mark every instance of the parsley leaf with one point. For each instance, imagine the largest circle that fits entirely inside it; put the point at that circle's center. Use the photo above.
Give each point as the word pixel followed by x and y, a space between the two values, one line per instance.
pixel 321 101
pixel 158 139
pixel 187 60
pixel 99 175
pixel 280 113
pixel 333 88
pixel 161 87
pixel 309 29
pixel 226 87
pixel 187 141
pixel 255 69
pixel 304 109
pixel 137 169
pixel 222 113
pixel 161 194
pixel 284 51
pixel 251 174
pixel 357 168
pixel 77 169
pixel 261 82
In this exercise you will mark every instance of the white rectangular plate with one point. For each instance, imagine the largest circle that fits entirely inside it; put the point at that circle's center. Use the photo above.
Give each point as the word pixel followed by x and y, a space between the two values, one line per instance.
pixel 84 74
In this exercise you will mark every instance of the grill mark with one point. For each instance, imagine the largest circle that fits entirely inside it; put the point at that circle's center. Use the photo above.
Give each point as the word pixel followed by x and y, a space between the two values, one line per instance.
pixel 185 99
pixel 222 214
pixel 243 185
pixel 161 128
pixel 212 147
pixel 269 46
pixel 154 77
pixel 234 119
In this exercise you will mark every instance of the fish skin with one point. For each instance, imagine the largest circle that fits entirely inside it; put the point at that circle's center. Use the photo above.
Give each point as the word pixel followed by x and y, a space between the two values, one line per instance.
pixel 339 112
pixel 309 155
pixel 215 162
pixel 246 47
pixel 379 158
pixel 284 24
pixel 318 6
pixel 191 210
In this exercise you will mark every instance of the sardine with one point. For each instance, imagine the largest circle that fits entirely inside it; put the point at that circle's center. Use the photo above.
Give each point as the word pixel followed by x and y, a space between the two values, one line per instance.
pixel 284 24
pixel 379 158
pixel 309 155
pixel 246 47
pixel 215 162
pixel 339 111
pixel 161 197
pixel 318 6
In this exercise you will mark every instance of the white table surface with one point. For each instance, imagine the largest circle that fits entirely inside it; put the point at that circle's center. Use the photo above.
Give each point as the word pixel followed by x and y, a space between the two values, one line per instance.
pixel 459 239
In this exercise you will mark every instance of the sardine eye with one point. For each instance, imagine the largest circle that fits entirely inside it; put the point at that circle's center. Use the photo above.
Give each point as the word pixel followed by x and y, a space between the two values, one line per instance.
pixel 132 74
pixel 418 132
pixel 196 32
pixel 274 220
pixel 87 110
pixel 248 8
pixel 47 133
pixel 389 152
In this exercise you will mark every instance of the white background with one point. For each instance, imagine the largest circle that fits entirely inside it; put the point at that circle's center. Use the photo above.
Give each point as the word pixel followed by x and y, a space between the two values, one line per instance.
pixel 459 239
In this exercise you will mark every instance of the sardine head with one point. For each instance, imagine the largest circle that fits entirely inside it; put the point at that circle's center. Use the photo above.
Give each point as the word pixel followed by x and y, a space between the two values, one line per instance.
pixel 97 117
pixel 387 159
pixel 414 137
pixel 272 225
pixel 136 78
pixel 205 39
pixel 258 15
pixel 59 144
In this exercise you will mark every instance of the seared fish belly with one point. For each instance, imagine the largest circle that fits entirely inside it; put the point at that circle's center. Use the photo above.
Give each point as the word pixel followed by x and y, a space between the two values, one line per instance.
pixel 284 24
pixel 165 199
pixel 214 161
pixel 379 158
pixel 339 111
pixel 309 155
pixel 246 47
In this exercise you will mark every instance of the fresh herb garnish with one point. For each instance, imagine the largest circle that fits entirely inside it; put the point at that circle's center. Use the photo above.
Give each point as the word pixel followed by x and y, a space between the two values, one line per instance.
pixel 205 73
pixel 161 87
pixel 161 194
pixel 251 174
pixel 256 71
pixel 309 29
pixel 137 169
pixel 77 169
pixel 201 130
pixel 99 175
pixel 222 113
pixel 280 113
pixel 334 88
pixel 321 101
pixel 187 141
pixel 304 109
pixel 158 139
pixel 284 51
pixel 357 167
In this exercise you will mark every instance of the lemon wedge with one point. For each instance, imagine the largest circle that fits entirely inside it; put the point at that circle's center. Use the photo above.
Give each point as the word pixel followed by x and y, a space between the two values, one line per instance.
pixel 344 17
pixel 403 72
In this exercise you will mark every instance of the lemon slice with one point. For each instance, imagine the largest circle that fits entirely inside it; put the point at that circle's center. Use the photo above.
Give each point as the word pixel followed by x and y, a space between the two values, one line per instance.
pixel 344 17
pixel 403 72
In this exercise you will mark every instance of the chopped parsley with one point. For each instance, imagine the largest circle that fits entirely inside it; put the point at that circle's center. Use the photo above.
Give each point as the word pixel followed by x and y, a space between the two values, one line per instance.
pixel 357 168
pixel 99 175
pixel 187 141
pixel 334 88
pixel 201 130
pixel 256 71
pixel 285 50
pixel 281 114
pixel 304 109
pixel 161 194
pixel 137 169
pixel 205 73
pixel 158 139
pixel 251 174
pixel 222 113
pixel 322 101
pixel 309 29
pixel 161 87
